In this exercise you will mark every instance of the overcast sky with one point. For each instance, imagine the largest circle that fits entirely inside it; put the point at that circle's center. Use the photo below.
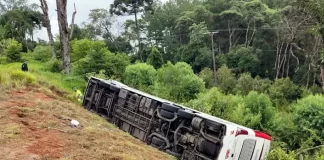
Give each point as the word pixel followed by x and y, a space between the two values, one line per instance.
pixel 83 9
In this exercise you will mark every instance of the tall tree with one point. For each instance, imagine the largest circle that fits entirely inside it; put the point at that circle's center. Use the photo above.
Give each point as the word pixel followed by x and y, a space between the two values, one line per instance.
pixel 64 34
pixel 132 7
pixel 47 24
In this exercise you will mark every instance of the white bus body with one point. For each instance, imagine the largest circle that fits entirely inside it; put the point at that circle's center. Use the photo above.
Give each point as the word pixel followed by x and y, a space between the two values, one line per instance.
pixel 176 129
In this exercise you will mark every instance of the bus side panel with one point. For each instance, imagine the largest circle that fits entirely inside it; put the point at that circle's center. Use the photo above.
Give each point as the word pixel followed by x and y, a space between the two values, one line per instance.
pixel 266 149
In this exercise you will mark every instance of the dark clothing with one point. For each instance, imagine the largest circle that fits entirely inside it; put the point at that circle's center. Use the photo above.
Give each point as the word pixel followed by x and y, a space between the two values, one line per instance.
pixel 24 67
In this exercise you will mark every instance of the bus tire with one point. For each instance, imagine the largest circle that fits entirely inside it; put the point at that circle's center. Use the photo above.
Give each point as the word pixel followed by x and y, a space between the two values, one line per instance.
pixel 157 141
pixel 170 107
pixel 114 88
pixel 166 114
pixel 103 84
pixel 185 114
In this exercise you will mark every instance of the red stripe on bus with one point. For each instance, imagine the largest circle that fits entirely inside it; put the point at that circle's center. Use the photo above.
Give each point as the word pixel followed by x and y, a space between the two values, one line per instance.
pixel 262 135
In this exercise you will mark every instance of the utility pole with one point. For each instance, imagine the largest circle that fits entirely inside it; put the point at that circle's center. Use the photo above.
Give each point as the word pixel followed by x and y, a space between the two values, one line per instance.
pixel 214 59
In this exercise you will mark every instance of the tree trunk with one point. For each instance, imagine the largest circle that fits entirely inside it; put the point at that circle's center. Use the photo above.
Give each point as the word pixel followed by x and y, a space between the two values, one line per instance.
pixel 253 33
pixel 47 24
pixel 72 23
pixel 138 36
pixel 64 34
pixel 322 74
pixel 247 34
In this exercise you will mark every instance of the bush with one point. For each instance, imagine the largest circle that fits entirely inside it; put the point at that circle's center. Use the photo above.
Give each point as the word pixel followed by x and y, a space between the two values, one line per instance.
pixel 225 79
pixel 113 64
pixel 280 154
pixel 13 52
pixel 80 48
pixel 208 77
pixel 262 85
pixel 43 53
pixel 283 91
pixel 242 59
pixel 260 104
pixel 178 82
pixel 55 65
pixel 20 76
pixel 140 76
pixel 155 58
pixel 245 84
pixel 309 113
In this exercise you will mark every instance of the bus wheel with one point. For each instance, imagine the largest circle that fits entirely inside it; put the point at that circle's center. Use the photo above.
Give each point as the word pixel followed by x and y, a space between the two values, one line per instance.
pixel 166 114
pixel 185 114
pixel 170 107
pixel 157 141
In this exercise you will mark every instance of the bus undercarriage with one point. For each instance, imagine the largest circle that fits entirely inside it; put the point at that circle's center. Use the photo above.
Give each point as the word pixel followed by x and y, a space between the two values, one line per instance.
pixel 169 127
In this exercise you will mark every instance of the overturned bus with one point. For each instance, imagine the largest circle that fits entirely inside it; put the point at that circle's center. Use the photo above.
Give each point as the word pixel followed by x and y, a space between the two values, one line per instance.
pixel 180 131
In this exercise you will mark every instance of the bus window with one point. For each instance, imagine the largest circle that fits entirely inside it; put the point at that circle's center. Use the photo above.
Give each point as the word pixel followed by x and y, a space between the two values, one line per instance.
pixel 247 149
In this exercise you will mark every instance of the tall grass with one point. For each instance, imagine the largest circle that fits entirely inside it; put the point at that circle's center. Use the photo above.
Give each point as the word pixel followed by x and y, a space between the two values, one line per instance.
pixel 41 73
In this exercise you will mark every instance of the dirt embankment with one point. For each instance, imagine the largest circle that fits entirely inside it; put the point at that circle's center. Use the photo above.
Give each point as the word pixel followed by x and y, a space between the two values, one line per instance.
pixel 35 124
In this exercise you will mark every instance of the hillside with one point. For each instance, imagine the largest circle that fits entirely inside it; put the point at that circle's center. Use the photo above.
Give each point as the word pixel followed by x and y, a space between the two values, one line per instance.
pixel 35 124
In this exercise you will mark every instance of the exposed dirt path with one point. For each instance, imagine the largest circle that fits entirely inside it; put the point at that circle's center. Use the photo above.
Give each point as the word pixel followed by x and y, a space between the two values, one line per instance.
pixel 34 124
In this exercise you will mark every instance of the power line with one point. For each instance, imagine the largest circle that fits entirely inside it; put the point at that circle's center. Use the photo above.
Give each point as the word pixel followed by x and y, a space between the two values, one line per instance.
pixel 234 29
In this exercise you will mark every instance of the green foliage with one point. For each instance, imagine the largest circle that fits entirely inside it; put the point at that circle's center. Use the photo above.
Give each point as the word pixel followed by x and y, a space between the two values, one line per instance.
pixel 242 59
pixel 43 53
pixel 262 85
pixel 260 104
pixel 280 154
pixel 22 77
pixel 207 76
pixel 103 59
pixel 225 79
pixel 155 58
pixel 13 51
pixel 140 75
pixel 80 48
pixel 283 91
pixel 101 75
pixel 308 117
pixel 178 82
pixel 55 65
pixel 245 84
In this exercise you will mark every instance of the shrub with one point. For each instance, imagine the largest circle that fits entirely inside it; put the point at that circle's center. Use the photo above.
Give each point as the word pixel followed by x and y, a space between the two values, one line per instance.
pixel 280 154
pixel 155 58
pixel 13 52
pixel 308 117
pixel 207 75
pixel 140 76
pixel 43 53
pixel 178 82
pixel 55 65
pixel 80 48
pixel 113 64
pixel 283 91
pixel 245 84
pixel 23 77
pixel 225 79
pixel 260 104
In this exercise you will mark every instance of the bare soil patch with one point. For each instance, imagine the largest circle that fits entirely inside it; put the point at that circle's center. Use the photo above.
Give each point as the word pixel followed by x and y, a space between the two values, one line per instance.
pixel 36 126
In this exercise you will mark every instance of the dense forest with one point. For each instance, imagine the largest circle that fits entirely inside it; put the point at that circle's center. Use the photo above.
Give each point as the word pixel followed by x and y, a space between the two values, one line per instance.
pixel 258 63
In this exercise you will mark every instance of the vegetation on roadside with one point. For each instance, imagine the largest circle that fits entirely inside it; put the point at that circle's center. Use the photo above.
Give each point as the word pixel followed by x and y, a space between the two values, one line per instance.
pixel 268 56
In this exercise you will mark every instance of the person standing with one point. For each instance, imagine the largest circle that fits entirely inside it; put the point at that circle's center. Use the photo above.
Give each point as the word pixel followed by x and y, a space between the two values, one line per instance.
pixel 24 67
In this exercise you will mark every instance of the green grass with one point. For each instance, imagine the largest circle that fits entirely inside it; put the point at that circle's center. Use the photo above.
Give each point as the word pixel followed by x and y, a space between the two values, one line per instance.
pixel 43 76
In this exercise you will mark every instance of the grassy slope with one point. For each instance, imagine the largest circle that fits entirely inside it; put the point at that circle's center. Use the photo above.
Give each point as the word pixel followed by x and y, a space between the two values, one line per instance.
pixel 39 70
pixel 37 123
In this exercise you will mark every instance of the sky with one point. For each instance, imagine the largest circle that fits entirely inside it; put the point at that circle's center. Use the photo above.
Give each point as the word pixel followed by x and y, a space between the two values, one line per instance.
pixel 83 9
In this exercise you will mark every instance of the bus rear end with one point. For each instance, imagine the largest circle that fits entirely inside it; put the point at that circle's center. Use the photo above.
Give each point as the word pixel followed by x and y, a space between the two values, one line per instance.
pixel 250 145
